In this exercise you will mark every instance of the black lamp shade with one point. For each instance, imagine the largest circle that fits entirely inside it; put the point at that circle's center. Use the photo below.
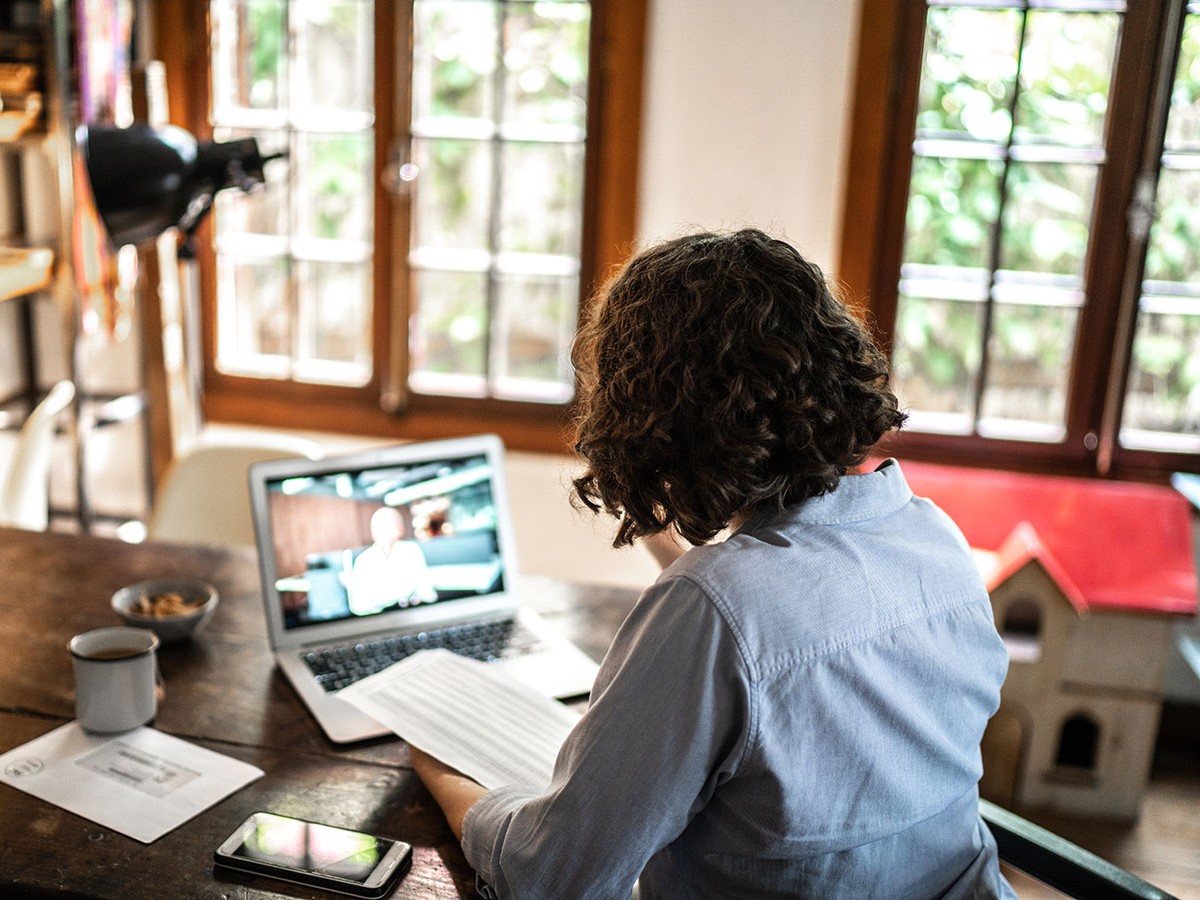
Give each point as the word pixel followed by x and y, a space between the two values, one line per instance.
pixel 147 179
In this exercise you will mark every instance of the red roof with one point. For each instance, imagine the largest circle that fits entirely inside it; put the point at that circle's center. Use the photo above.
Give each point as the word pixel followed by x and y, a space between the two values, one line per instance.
pixel 1022 546
pixel 1121 545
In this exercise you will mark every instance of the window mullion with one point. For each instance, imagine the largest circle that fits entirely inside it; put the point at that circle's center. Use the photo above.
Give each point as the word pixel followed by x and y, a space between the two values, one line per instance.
pixel 393 207
pixel 495 213
pixel 997 239
pixel 294 318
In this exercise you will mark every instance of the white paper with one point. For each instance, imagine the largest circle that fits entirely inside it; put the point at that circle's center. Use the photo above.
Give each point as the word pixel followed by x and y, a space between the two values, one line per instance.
pixel 142 783
pixel 469 715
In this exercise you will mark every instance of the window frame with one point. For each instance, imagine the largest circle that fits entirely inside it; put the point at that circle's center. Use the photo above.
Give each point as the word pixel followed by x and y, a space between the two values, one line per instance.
pixel 887 75
pixel 385 407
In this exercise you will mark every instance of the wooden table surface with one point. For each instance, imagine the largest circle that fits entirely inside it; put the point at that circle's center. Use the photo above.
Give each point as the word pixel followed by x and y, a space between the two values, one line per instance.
pixel 224 693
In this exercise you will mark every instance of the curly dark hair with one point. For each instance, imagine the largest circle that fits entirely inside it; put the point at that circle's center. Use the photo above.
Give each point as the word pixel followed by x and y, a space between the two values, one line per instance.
pixel 719 374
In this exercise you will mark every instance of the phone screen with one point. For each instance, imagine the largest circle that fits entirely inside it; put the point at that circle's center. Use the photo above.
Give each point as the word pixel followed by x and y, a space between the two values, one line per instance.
pixel 270 841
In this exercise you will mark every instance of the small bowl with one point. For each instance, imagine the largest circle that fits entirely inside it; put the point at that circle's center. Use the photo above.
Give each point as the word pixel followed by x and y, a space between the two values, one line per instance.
pixel 199 603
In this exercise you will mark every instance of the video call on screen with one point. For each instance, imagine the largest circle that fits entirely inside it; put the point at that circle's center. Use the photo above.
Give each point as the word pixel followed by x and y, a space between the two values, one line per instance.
pixel 358 543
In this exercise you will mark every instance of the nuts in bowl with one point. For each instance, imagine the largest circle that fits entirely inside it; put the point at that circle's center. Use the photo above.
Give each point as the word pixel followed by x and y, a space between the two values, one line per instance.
pixel 173 608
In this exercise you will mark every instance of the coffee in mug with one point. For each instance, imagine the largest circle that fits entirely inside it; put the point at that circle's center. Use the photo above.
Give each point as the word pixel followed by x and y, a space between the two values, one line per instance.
pixel 116 673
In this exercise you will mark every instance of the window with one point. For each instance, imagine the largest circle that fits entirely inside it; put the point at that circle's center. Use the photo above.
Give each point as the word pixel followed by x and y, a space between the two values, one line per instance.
pixel 293 262
pixel 453 177
pixel 1022 630
pixel 1077 743
pixel 499 125
pixel 1029 257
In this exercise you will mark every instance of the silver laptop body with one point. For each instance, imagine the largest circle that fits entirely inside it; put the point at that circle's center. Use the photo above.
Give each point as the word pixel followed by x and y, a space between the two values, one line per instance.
pixel 313 527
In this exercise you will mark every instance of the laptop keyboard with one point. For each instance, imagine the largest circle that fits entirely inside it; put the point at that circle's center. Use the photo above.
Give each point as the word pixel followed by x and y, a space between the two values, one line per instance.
pixel 336 667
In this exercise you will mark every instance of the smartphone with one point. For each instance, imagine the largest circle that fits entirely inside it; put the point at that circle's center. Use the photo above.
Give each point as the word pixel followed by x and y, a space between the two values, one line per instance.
pixel 338 859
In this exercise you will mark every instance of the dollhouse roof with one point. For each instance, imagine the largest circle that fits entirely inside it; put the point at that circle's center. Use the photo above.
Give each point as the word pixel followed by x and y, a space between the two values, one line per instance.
pixel 1024 546
pixel 1120 545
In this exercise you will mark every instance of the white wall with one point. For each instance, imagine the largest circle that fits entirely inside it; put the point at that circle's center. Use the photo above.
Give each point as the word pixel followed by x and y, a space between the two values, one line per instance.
pixel 746 116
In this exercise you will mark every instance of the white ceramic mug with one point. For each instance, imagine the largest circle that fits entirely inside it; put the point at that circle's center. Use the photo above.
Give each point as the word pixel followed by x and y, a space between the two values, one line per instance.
pixel 116 674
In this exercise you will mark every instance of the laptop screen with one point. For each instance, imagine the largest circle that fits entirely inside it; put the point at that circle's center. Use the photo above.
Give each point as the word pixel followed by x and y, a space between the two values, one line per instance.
pixel 372 535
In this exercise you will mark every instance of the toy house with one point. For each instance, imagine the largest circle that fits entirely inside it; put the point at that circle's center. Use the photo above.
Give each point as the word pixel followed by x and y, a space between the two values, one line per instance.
pixel 1087 580
pixel 1079 710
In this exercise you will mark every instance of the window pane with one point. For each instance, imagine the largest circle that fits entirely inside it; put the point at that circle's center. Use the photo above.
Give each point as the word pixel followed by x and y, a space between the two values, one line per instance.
pixel 1028 363
pixel 1066 68
pixel 266 209
pixel 333 185
pixel 1047 217
pixel 454 193
pixel 543 193
pixel 999 212
pixel 334 57
pixel 969 73
pixel 254 318
pixel 1183 124
pixel 454 58
pixel 532 337
pixel 449 330
pixel 936 355
pixel 334 309
pixel 294 292
pixel 952 208
pixel 499 116
pixel 249 58
pixel 1174 250
pixel 545 59
pixel 1162 395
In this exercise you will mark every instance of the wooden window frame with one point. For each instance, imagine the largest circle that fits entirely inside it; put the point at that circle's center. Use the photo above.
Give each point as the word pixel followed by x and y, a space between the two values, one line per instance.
pixel 381 408
pixel 890 39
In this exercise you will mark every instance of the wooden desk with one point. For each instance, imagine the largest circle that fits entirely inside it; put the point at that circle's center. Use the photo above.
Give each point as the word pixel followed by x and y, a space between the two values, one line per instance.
pixel 222 692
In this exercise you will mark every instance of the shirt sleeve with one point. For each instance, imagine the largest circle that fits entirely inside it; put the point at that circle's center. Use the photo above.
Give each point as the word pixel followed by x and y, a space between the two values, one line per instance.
pixel 670 719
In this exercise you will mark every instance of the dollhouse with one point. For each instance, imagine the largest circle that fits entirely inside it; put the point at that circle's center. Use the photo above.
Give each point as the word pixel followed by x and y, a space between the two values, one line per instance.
pixel 1087 580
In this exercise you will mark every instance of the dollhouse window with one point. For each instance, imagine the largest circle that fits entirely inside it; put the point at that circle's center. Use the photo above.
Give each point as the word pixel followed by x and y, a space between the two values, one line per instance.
pixel 1022 630
pixel 1077 743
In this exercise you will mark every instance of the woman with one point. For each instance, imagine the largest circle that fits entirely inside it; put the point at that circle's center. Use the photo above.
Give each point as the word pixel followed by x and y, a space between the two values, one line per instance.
pixel 795 710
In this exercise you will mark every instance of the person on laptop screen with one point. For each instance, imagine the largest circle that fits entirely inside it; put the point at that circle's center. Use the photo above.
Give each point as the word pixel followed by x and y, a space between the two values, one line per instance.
pixel 390 572
pixel 794 710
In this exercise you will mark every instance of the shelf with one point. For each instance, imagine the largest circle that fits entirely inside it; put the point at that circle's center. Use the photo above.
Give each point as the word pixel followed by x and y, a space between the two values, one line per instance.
pixel 23 271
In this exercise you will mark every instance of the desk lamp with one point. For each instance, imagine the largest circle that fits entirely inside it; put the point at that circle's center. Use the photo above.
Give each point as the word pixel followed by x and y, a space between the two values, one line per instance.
pixel 146 179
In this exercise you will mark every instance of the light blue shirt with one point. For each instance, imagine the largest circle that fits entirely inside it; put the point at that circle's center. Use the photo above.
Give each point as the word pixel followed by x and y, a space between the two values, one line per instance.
pixel 793 712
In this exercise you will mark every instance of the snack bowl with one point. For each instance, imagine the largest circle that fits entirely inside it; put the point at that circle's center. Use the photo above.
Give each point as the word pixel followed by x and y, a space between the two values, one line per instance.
pixel 173 608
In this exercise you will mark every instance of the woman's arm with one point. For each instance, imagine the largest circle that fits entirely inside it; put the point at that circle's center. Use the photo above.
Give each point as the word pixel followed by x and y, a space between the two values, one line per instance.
pixel 454 792
pixel 668 720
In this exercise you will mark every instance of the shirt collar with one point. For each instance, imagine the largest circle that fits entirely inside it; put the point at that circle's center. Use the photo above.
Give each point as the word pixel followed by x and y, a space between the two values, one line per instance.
pixel 858 498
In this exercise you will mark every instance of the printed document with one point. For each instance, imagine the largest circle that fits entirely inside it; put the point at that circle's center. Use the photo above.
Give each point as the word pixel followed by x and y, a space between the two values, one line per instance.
pixel 142 783
pixel 469 715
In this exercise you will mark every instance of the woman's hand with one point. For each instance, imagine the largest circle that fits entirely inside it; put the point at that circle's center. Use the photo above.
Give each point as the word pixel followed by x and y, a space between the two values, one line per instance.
pixel 454 792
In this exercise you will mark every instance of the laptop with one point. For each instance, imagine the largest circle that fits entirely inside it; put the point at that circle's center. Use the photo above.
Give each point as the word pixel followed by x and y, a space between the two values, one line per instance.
pixel 368 557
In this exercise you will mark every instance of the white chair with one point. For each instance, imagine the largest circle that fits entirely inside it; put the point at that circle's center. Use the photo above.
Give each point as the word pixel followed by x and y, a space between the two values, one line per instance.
pixel 204 497
pixel 25 469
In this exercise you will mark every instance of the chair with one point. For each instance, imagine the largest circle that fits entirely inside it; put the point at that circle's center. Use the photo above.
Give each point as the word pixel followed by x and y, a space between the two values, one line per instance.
pixel 1058 863
pixel 25 473
pixel 204 497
